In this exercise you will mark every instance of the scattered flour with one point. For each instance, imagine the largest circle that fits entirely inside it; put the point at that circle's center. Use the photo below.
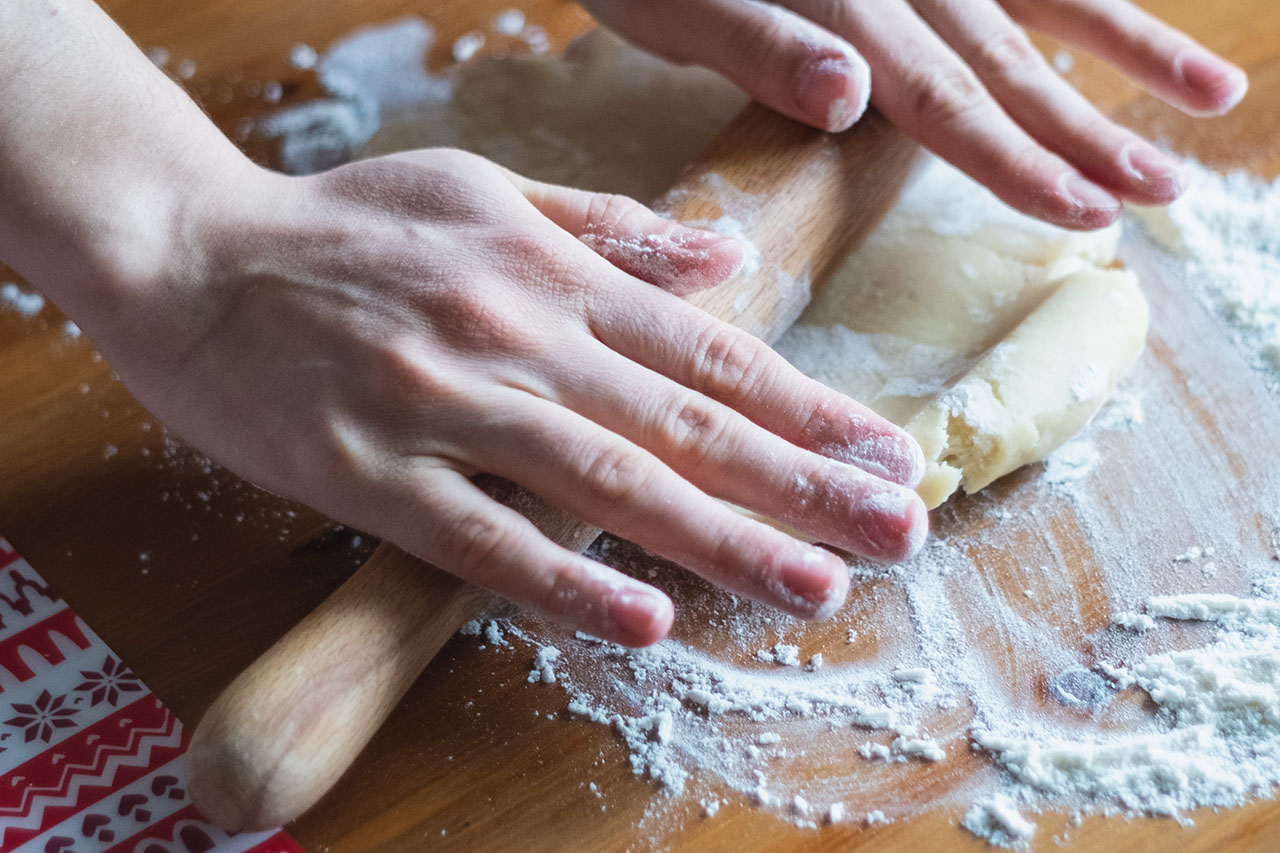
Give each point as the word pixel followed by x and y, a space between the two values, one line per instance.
pixel 1089 381
pixel 1134 621
pixel 366 74
pixel 467 46
pixel 543 671
pixel 1214 739
pixel 26 303
pixel 998 822
pixel 509 22
pixel 1225 233
pixel 924 748
pixel 782 654
pixel 1218 607
pixel 303 57
pixel 1071 462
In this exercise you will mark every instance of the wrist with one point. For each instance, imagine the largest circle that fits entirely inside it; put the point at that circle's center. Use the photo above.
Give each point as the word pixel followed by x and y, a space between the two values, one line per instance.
pixel 147 230
pixel 108 168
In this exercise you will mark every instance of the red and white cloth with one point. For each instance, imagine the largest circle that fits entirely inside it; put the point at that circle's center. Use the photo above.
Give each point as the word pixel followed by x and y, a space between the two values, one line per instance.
pixel 90 760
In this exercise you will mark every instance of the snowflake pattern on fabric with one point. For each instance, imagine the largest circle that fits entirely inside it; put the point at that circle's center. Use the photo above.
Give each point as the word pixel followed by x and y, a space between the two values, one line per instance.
pixel 90 760
pixel 40 718
pixel 109 683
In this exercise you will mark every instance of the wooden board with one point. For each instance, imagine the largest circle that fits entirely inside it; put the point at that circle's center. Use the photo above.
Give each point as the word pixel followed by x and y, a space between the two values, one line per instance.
pixel 189 574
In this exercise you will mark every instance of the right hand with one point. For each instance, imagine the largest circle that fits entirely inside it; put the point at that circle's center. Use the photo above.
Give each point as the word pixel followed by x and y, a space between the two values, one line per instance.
pixel 962 78
pixel 368 339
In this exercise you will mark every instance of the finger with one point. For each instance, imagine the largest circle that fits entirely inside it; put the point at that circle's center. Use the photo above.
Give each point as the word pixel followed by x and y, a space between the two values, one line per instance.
pixel 636 240
pixel 728 365
pixel 933 96
pixel 1054 113
pixel 779 58
pixel 1163 60
pixel 602 478
pixel 462 530
pixel 729 457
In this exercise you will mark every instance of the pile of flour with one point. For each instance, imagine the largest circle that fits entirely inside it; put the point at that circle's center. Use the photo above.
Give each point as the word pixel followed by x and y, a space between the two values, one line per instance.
pixel 1224 236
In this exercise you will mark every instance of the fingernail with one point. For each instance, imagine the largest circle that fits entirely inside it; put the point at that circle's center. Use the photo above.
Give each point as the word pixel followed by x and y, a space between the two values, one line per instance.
pixel 1155 168
pixel 1202 71
pixel 834 87
pixel 812 576
pixel 1085 193
pixel 641 613
pixel 896 523
pixel 895 457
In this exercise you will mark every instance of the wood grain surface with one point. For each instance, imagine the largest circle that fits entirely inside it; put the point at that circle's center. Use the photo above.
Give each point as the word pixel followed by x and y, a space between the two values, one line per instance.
pixel 190 574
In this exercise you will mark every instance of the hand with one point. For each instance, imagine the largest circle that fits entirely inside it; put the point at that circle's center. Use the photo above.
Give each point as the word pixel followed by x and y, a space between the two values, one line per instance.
pixel 961 77
pixel 368 339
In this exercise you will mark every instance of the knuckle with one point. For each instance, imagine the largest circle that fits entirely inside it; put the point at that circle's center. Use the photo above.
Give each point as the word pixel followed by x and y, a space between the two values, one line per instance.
pixel 403 367
pixel 472 542
pixel 524 245
pixel 1035 169
pixel 756 40
pixel 1034 12
pixel 729 360
pixel 615 475
pixel 529 255
pixel 694 428
pixel 561 593
pixel 808 489
pixel 945 98
pixel 1009 56
pixel 744 557
pixel 438 184
pixel 458 160
pixel 821 421
pixel 608 212
pixel 468 317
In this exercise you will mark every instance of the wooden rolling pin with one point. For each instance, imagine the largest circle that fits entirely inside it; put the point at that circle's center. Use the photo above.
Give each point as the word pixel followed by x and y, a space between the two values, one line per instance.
pixel 283 732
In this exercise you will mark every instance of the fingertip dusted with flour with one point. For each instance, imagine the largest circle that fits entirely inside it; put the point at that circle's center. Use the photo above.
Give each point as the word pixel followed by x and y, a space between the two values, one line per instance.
pixel 813 583
pixel 641 616
pixel 832 89
pixel 884 450
pixel 895 525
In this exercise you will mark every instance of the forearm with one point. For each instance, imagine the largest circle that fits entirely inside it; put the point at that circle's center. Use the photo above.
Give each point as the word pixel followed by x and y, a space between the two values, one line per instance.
pixel 102 158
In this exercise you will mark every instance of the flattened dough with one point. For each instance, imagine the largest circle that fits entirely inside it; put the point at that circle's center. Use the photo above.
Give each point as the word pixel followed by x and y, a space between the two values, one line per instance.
pixel 604 116
pixel 992 337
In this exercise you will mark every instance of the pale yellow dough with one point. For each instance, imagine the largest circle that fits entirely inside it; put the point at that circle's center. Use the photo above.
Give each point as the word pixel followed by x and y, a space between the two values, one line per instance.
pixel 993 338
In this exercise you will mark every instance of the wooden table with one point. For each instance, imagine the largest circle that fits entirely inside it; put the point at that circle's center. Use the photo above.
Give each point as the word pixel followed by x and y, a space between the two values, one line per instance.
pixel 189 574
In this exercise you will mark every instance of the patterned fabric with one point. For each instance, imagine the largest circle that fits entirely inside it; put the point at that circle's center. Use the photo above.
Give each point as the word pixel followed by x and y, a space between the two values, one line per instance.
pixel 90 760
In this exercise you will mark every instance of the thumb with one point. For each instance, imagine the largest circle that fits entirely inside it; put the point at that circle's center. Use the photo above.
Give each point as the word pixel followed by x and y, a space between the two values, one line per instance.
pixel 636 240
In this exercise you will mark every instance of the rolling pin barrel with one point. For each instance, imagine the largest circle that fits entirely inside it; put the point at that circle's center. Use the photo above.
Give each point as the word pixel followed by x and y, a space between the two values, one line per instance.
pixel 291 724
